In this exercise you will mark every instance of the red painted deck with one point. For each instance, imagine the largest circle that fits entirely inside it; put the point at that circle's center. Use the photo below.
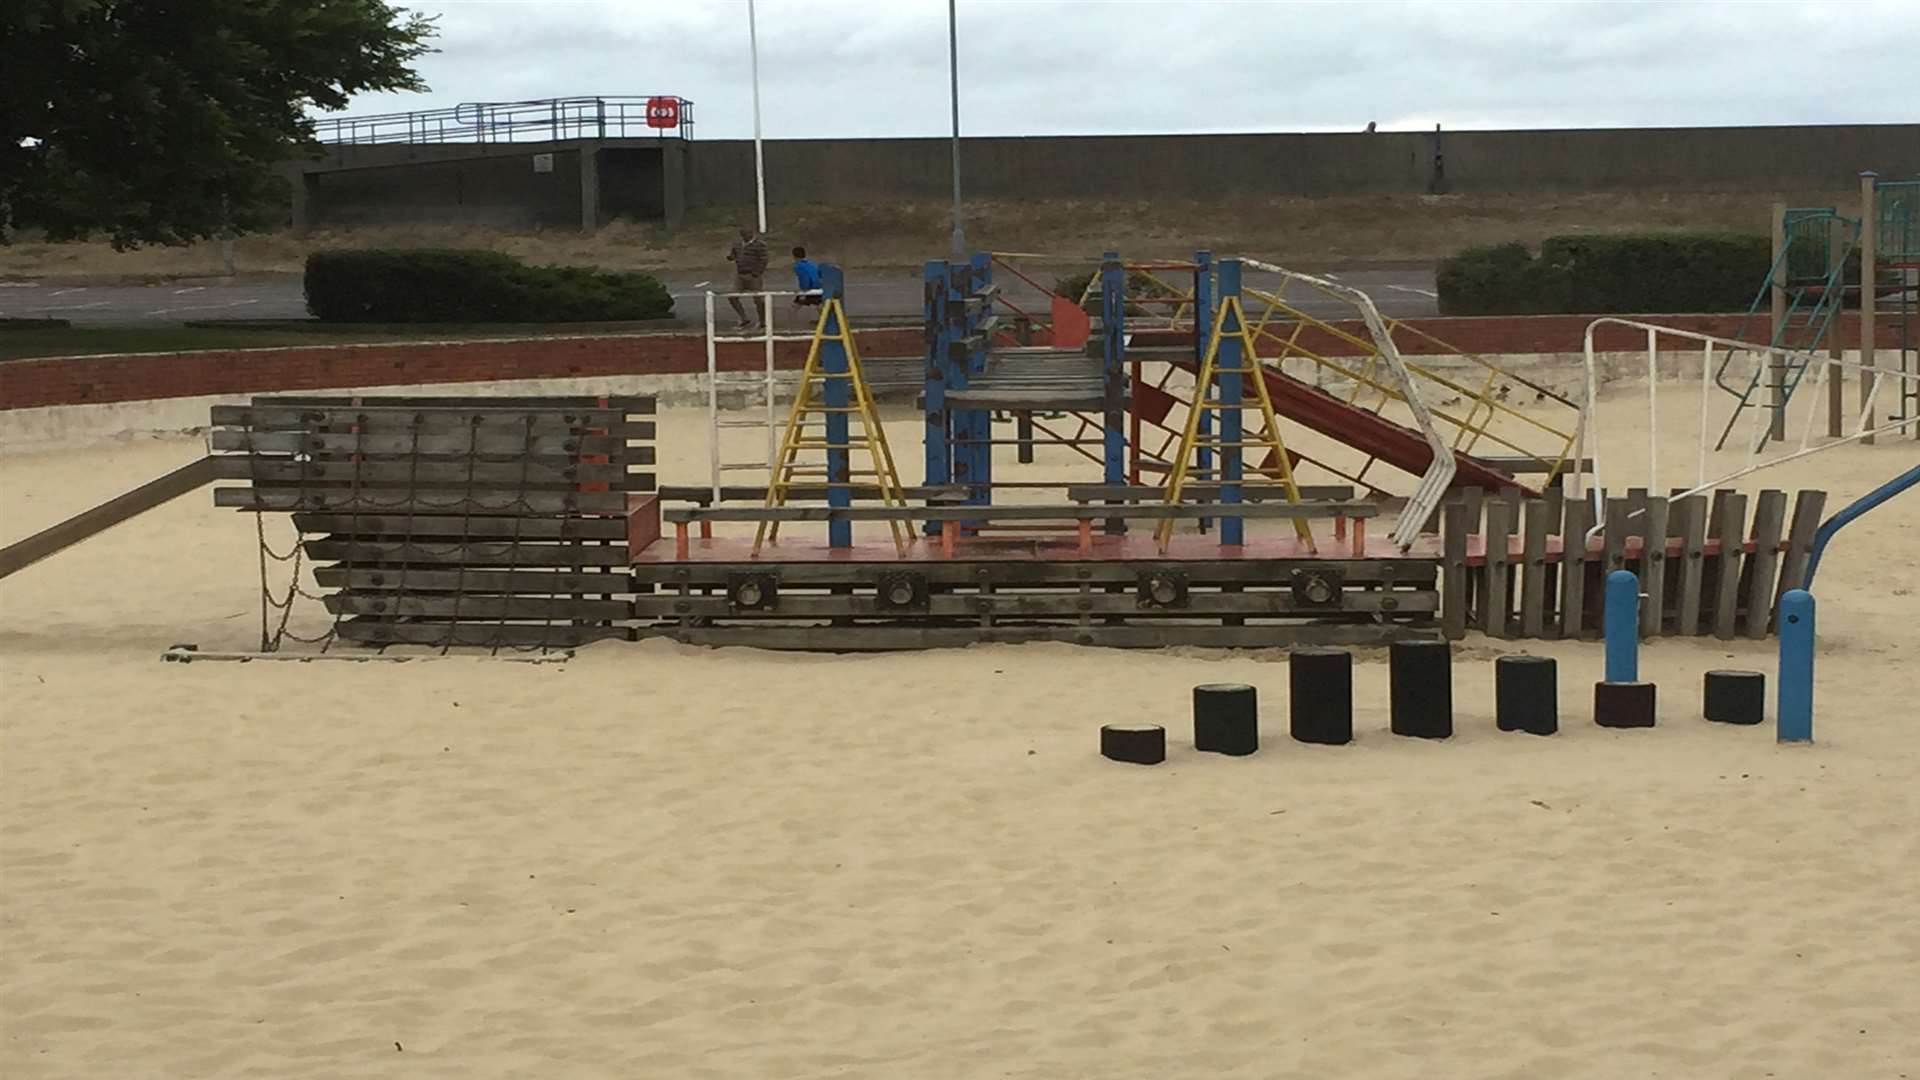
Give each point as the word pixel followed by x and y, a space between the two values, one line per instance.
pixel 1136 546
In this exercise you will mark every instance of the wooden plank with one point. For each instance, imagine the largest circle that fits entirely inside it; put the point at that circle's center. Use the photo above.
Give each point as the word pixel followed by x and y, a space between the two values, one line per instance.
pixel 885 638
pixel 531 473
pixel 1204 492
pixel 1693 532
pixel 1453 574
pixel 486 554
pixel 1653 568
pixel 1733 530
pixel 484 527
pixel 407 446
pixel 1494 616
pixel 98 519
pixel 1270 573
pixel 1808 506
pixel 477 608
pixel 1149 511
pixel 523 582
pixel 1769 522
pixel 370 630
pixel 1068 603
pixel 1614 539
pixel 391 501
pixel 1476 500
pixel 426 420
pixel 634 404
pixel 1533 567
pixel 1573 569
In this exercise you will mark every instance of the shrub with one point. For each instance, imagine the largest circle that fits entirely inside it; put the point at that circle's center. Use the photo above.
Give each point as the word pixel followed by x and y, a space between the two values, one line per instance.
pixel 474 287
pixel 1598 275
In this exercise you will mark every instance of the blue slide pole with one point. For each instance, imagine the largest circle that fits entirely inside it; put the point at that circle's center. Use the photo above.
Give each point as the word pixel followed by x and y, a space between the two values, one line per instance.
pixel 1793 722
pixel 1623 627
pixel 1859 506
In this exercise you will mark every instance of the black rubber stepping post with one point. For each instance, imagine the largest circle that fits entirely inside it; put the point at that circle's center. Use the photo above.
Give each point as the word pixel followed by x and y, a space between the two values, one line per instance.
pixel 1320 696
pixel 1526 694
pixel 1226 718
pixel 1420 675
pixel 1736 697
pixel 1137 744
pixel 1623 704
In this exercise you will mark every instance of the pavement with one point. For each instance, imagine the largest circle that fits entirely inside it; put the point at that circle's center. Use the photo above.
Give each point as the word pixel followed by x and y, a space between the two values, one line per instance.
pixel 1400 293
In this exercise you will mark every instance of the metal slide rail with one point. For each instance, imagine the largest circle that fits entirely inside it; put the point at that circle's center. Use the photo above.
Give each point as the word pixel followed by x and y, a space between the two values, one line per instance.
pixel 536 120
pixel 1852 512
pixel 1439 476
pixel 1710 347
pixel 1549 457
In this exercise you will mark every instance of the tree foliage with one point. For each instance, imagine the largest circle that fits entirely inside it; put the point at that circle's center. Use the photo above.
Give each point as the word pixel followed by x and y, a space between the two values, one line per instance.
pixel 159 121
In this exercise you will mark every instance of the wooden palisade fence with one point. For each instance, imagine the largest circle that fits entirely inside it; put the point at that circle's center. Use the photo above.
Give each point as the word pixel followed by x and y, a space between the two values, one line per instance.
pixel 1514 567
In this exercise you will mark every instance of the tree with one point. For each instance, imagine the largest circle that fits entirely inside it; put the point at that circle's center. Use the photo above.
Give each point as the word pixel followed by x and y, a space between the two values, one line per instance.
pixel 160 121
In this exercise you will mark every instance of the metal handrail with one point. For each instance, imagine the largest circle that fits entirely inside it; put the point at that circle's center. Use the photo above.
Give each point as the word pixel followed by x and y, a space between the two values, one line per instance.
pixel 539 119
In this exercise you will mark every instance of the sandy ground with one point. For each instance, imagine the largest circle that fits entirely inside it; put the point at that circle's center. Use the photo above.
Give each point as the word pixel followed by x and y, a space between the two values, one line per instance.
pixel 672 862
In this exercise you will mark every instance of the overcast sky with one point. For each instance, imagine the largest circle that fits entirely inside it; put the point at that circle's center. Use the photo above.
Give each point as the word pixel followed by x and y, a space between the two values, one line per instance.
pixel 1046 67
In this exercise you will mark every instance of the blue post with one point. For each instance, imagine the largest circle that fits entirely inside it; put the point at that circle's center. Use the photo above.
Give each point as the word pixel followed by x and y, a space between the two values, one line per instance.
pixel 939 468
pixel 1227 362
pixel 1202 331
pixel 838 394
pixel 1859 506
pixel 979 421
pixel 1622 621
pixel 1113 329
pixel 1794 720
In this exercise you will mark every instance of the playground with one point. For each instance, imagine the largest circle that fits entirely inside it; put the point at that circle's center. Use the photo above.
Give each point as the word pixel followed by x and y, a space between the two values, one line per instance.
pixel 446 776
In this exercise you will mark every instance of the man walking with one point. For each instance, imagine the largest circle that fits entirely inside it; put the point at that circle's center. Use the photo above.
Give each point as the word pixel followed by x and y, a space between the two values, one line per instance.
pixel 749 259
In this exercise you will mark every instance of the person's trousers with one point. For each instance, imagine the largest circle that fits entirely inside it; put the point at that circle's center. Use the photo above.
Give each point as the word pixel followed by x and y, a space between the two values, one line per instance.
pixel 746 307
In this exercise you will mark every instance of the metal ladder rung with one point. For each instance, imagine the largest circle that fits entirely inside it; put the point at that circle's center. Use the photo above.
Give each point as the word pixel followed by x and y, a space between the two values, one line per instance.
pixel 744 465
pixel 743 423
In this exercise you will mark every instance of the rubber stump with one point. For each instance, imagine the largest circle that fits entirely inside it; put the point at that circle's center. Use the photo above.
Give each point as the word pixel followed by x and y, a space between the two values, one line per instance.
pixel 1320 696
pixel 1420 677
pixel 1623 704
pixel 1137 744
pixel 1526 693
pixel 1736 697
pixel 1226 718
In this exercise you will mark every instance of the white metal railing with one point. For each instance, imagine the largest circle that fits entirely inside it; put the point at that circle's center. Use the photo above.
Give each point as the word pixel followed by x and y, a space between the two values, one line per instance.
pixel 1439 476
pixel 764 381
pixel 1715 349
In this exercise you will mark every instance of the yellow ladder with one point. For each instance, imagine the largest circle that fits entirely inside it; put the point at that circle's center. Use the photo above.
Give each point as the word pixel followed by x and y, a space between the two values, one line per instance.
pixel 1269 431
pixel 808 401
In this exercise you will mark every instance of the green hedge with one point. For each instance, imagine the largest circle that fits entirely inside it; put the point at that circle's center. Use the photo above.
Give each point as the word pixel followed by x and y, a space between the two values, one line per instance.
pixel 1597 275
pixel 473 287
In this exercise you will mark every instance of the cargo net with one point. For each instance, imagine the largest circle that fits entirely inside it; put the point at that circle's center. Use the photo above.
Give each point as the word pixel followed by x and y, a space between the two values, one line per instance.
pixel 489 523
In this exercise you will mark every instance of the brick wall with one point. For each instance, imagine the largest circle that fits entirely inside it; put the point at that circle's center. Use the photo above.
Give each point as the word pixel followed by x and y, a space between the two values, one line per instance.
pixel 85 380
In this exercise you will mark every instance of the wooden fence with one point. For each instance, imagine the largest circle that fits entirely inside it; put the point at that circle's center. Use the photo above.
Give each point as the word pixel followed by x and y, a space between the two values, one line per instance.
pixel 1514 567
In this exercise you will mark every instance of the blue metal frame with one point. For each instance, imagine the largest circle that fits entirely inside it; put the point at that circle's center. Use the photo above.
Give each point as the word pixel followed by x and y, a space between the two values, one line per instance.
pixel 837 394
pixel 1853 511
pixel 1203 326
pixel 1228 359
pixel 939 467
pixel 1113 324
pixel 976 425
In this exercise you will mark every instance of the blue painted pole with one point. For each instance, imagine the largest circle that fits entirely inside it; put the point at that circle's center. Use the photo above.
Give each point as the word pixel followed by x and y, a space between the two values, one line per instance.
pixel 939 468
pixel 1113 330
pixel 979 421
pixel 1793 721
pixel 838 394
pixel 1859 506
pixel 1227 361
pixel 1622 621
pixel 1202 331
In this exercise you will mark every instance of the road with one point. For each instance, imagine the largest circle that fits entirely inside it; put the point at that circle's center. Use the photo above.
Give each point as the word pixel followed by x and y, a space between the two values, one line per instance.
pixel 1399 292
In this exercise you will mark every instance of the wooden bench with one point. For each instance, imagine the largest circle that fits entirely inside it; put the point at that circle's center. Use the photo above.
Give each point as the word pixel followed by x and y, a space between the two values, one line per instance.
pixel 1082 514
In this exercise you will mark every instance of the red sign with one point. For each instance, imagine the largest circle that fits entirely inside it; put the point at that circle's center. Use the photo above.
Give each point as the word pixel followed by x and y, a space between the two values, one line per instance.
pixel 663 112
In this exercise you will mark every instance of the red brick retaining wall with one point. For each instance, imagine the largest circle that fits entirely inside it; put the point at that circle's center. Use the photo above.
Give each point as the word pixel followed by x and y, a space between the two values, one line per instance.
pixel 86 380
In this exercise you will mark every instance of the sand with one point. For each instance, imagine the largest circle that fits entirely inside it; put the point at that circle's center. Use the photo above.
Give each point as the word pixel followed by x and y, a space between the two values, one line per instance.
pixel 664 861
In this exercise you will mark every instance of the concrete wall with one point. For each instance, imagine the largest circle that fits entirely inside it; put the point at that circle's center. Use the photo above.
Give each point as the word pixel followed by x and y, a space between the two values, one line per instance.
pixel 1211 166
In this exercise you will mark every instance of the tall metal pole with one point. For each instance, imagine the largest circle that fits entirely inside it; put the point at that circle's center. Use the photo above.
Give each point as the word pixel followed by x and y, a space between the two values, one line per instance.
pixel 953 71
pixel 759 160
